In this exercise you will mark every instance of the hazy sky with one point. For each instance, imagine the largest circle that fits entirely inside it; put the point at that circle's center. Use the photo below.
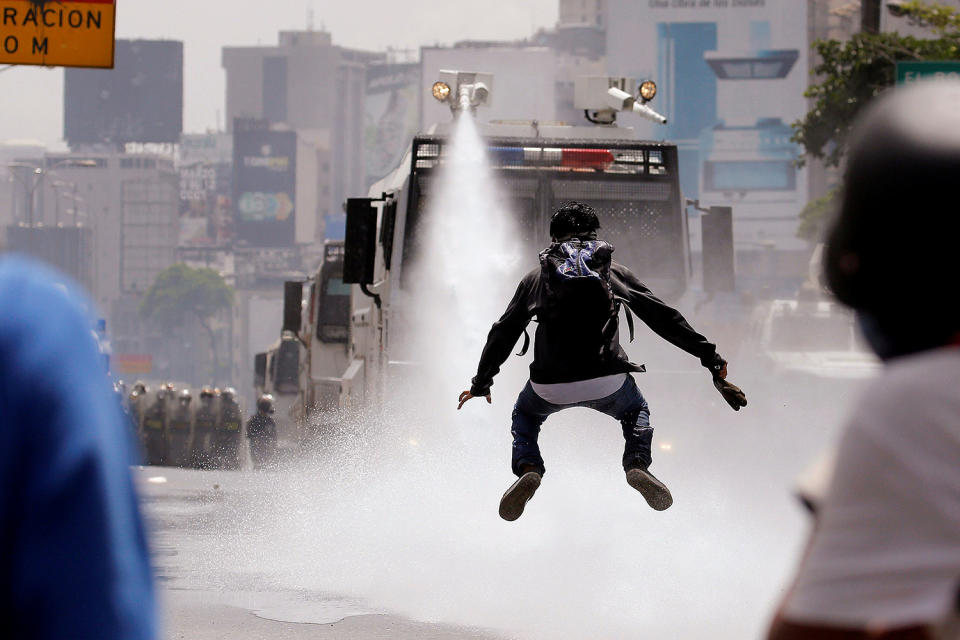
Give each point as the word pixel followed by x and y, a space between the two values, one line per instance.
pixel 31 98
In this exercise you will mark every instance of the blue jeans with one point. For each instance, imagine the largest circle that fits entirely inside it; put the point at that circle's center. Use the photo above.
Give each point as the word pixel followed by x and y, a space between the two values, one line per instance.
pixel 626 405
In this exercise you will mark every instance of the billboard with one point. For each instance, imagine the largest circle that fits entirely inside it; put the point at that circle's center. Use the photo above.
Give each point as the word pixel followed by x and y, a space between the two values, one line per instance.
pixel 264 187
pixel 132 363
pixel 731 75
pixel 73 33
pixel 139 100
pixel 212 148
pixel 205 203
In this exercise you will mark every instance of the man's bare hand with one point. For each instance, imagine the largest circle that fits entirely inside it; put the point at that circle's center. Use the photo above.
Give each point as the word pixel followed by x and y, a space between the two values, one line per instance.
pixel 466 395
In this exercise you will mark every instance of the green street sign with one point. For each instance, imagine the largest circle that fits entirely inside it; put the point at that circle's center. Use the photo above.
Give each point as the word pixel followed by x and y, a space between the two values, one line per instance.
pixel 910 72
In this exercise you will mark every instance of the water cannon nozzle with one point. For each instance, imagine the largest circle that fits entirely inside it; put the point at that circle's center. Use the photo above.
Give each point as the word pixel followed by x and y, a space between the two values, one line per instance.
pixel 649 113
pixel 463 90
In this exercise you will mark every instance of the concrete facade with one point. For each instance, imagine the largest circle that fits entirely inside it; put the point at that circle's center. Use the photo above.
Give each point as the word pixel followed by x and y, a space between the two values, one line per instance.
pixel 130 202
pixel 585 13
pixel 326 99
pixel 18 159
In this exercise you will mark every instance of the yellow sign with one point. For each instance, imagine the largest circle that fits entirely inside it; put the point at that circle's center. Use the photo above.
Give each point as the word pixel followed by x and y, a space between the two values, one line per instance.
pixel 129 363
pixel 73 33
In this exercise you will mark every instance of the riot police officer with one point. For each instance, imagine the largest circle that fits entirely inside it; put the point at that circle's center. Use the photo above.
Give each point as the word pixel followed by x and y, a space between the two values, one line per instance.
pixel 204 422
pixel 226 437
pixel 136 401
pixel 180 436
pixel 262 433
pixel 155 427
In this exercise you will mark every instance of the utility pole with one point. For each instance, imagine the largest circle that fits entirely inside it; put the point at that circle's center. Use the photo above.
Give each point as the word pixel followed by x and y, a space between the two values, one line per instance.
pixel 870 15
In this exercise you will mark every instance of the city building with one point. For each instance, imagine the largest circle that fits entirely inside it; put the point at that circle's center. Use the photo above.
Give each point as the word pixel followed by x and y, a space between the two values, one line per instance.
pixel 67 248
pixel 731 78
pixel 140 100
pixel 575 13
pixel 131 204
pixel 313 87
pixel 18 159
pixel 205 166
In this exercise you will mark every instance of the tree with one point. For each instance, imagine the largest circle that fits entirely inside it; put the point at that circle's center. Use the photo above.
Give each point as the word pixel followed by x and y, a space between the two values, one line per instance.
pixel 180 293
pixel 815 215
pixel 851 73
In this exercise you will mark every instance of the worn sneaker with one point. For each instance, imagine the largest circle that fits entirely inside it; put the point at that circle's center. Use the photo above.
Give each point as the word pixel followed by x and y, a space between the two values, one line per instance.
pixel 653 491
pixel 517 496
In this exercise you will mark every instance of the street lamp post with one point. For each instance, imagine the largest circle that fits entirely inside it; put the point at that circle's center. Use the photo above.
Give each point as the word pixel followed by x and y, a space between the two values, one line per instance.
pixel 39 173
pixel 30 188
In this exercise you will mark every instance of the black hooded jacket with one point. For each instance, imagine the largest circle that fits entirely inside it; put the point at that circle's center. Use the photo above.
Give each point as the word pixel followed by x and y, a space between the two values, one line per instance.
pixel 559 356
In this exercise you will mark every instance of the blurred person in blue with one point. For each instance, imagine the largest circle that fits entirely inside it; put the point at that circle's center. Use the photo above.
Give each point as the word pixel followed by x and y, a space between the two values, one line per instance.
pixel 73 557
pixel 883 560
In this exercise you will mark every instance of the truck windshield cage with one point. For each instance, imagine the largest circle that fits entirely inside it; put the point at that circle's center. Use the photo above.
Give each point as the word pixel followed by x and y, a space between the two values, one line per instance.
pixel 633 185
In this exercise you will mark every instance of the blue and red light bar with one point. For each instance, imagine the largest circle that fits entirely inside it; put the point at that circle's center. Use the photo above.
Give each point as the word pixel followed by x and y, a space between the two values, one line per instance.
pixel 586 158
pixel 571 158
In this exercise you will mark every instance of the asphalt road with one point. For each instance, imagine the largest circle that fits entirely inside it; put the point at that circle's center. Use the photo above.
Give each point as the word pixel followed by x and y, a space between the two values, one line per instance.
pixel 194 518
pixel 391 527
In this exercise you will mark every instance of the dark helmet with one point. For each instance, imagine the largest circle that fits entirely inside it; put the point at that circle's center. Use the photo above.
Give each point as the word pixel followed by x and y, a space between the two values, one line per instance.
pixel 228 394
pixel 185 396
pixel 893 243
pixel 265 403
pixel 207 393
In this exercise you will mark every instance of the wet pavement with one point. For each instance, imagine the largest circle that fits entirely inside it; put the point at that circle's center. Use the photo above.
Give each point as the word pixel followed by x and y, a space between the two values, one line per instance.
pixel 196 519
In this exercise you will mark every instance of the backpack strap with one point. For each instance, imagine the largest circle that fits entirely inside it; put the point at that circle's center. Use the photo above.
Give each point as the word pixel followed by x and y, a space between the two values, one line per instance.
pixel 526 342
pixel 622 302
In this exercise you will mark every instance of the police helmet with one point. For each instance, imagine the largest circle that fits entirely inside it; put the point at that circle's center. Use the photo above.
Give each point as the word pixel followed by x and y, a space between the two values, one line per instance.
pixel 207 393
pixel 265 403
pixel 228 393
pixel 185 396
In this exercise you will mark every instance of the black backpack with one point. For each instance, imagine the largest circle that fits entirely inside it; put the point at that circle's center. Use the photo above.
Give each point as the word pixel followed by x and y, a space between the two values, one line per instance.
pixel 579 298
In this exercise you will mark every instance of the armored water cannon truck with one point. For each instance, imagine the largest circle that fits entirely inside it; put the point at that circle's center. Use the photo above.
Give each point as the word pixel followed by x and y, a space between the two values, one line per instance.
pixel 302 369
pixel 634 184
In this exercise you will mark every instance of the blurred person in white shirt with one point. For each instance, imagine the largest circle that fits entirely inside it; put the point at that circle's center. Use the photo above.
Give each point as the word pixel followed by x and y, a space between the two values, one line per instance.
pixel 883 560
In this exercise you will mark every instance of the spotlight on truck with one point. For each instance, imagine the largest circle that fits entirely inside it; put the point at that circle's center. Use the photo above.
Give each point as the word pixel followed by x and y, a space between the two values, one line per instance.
pixel 648 90
pixel 441 91
pixel 603 97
